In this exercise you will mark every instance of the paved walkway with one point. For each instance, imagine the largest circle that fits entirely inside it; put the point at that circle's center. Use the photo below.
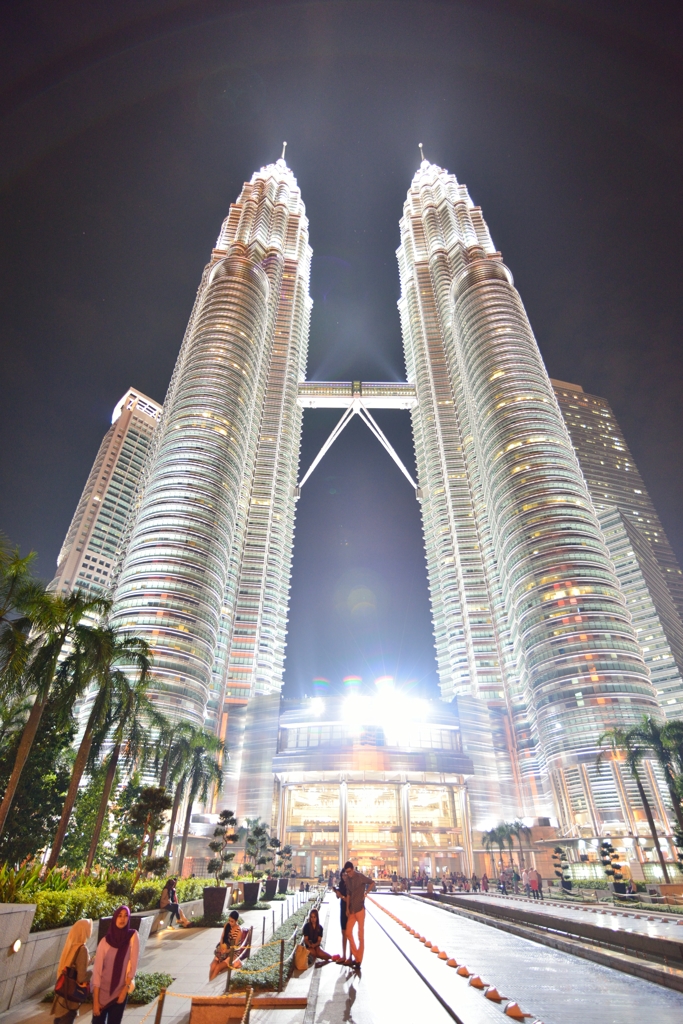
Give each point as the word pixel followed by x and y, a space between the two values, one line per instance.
pixel 553 987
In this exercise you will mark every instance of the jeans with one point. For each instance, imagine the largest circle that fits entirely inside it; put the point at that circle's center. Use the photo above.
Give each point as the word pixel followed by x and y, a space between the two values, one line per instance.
pixel 110 1014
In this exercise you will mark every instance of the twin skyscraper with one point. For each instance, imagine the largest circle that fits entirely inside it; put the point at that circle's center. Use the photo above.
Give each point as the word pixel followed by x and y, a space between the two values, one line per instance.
pixel 530 614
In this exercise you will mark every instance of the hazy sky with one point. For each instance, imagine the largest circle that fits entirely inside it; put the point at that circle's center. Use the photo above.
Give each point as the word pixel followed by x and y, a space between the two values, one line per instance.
pixel 127 129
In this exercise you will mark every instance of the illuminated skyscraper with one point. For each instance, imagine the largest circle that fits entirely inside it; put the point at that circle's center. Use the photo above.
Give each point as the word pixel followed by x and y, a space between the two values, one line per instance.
pixel 527 607
pixel 205 577
pixel 647 568
pixel 95 533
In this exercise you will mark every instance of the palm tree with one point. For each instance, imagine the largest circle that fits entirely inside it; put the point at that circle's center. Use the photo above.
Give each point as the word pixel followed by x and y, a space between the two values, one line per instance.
pixel 55 623
pixel 20 599
pixel 672 735
pixel 202 774
pixel 168 735
pixel 629 743
pixel 180 754
pixel 97 656
pixel 519 829
pixel 131 717
pixel 506 834
pixel 489 839
pixel 653 735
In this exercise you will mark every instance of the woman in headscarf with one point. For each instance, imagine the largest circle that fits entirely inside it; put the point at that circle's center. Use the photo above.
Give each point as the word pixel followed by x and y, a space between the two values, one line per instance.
pixel 116 962
pixel 75 954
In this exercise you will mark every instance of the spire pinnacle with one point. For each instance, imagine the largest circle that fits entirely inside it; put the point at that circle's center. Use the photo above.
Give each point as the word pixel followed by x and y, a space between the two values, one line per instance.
pixel 419 145
pixel 284 147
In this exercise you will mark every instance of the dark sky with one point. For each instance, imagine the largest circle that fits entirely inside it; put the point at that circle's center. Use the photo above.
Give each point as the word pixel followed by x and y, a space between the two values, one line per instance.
pixel 127 128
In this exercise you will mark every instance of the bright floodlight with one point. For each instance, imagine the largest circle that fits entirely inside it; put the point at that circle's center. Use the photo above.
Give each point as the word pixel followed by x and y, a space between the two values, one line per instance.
pixel 317 706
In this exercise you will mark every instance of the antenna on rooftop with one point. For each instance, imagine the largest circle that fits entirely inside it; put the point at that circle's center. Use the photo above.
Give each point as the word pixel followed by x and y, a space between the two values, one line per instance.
pixel 284 147
pixel 420 148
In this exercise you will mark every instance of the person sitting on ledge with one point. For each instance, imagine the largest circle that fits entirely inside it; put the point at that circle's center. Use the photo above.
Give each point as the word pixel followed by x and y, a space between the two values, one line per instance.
pixel 226 953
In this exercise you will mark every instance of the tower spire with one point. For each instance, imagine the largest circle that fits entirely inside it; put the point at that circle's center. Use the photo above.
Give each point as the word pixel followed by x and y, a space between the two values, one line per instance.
pixel 284 147
pixel 419 145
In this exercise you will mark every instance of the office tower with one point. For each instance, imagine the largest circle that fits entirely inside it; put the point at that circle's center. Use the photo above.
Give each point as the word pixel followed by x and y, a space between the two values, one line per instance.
pixel 524 593
pixel 205 577
pixel 612 475
pixel 646 565
pixel 89 549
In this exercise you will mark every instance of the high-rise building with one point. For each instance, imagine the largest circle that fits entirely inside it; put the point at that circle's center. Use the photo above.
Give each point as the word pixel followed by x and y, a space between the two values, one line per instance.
pixel 542 622
pixel 526 603
pixel 645 562
pixel 205 578
pixel 612 475
pixel 89 549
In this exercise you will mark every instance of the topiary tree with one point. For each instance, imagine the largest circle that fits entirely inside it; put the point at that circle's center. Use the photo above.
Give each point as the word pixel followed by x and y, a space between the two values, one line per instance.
pixel 224 836
pixel 561 865
pixel 255 847
pixel 145 816
pixel 284 860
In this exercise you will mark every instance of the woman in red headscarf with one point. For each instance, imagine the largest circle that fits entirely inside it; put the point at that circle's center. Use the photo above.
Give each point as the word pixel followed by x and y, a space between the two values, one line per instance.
pixel 116 962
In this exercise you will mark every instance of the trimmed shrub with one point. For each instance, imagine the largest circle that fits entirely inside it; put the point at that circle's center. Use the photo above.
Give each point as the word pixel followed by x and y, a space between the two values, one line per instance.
pixel 148 986
pixel 55 909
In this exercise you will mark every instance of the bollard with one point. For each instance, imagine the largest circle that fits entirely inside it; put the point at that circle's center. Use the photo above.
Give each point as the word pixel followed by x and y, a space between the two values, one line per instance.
pixel 227 981
pixel 160 1006
pixel 282 914
pixel 263 931
pixel 273 922
pixel 282 963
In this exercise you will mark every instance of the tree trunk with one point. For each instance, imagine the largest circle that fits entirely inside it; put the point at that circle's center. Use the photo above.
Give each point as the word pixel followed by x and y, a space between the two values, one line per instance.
pixel 651 823
pixel 174 814
pixel 675 799
pixel 521 854
pixel 25 744
pixel 162 784
pixel 71 794
pixel 104 803
pixel 186 829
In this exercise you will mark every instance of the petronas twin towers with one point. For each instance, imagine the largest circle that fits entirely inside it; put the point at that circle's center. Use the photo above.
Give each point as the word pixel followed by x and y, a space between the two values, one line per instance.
pixel 528 614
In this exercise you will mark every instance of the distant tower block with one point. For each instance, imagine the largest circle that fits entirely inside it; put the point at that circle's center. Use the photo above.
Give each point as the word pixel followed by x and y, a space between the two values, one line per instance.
pixel 88 553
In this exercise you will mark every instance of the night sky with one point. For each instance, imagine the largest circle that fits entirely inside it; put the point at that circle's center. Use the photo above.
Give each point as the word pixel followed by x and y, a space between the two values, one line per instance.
pixel 127 129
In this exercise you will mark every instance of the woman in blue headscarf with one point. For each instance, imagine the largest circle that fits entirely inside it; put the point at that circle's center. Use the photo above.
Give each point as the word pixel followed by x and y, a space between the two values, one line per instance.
pixel 116 962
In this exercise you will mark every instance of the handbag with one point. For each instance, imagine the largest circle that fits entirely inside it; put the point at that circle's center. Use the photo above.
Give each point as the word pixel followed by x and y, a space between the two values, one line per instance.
pixel 301 958
pixel 69 989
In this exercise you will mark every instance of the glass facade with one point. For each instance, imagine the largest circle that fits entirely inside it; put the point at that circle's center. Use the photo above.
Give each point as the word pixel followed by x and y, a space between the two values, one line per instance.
pixel 527 606
pixel 205 575
pixel 382 782
pixel 88 554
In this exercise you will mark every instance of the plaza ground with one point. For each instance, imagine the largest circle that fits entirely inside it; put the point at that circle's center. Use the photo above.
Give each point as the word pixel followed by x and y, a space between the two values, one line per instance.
pixel 402 981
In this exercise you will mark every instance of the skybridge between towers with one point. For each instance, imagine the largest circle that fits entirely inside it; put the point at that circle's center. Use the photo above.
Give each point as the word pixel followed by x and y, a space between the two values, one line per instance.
pixel 356 398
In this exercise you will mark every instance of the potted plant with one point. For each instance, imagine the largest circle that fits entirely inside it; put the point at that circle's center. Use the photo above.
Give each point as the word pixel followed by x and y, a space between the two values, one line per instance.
pixel 284 862
pixel 216 896
pixel 255 856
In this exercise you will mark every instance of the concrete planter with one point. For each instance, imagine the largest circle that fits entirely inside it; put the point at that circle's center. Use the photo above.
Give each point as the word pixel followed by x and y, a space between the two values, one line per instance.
pixel 251 892
pixel 216 900
pixel 270 886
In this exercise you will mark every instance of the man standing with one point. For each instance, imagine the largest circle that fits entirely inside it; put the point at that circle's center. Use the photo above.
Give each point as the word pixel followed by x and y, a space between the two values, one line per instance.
pixel 357 885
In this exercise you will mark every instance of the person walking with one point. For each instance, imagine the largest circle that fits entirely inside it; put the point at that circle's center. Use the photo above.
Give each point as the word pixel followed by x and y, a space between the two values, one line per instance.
pixel 357 885
pixel 539 880
pixel 533 882
pixel 342 893
pixel 116 962
pixel 525 881
pixel 75 954
pixel 169 902
pixel 484 882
